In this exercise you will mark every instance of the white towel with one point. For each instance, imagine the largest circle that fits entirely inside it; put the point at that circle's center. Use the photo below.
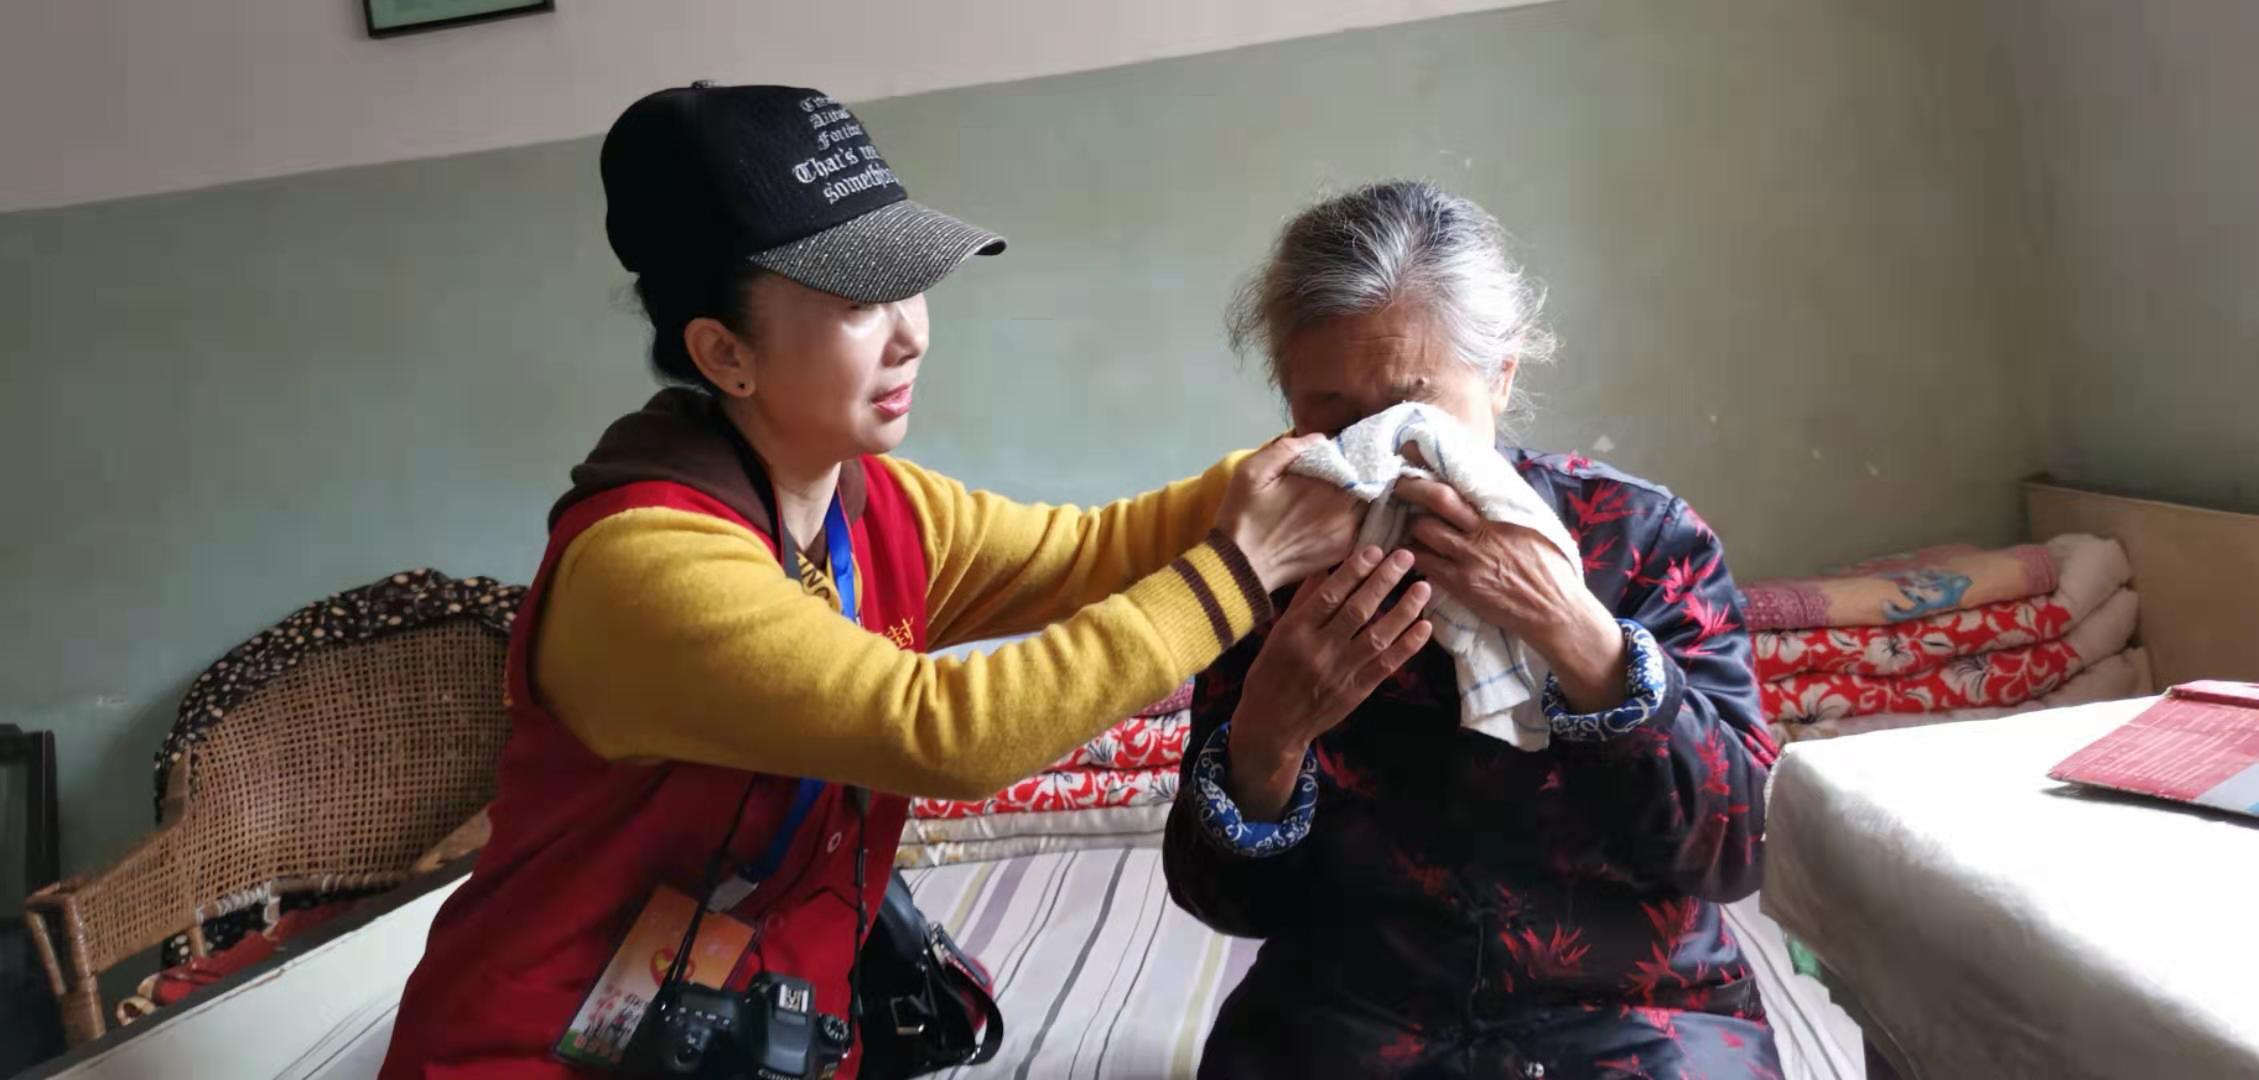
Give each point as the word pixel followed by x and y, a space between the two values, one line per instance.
pixel 1498 677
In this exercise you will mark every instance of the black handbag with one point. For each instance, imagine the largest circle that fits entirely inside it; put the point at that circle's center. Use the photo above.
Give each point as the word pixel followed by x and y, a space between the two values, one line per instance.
pixel 927 1006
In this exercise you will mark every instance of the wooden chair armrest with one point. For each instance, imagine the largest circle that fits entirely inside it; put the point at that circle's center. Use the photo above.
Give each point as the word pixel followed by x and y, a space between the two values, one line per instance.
pixel 105 917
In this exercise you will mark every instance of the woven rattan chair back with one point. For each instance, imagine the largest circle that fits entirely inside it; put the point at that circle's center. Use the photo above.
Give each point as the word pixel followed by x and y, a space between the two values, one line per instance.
pixel 321 757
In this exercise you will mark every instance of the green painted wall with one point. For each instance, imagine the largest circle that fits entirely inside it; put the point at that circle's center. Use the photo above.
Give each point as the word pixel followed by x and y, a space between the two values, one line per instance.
pixel 2142 162
pixel 225 404
pixel 1772 229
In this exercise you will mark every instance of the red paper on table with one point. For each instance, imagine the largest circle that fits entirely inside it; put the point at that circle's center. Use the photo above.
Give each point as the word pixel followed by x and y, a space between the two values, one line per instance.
pixel 2199 745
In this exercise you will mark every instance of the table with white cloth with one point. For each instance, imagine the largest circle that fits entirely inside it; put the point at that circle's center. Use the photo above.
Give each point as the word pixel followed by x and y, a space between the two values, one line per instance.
pixel 1991 922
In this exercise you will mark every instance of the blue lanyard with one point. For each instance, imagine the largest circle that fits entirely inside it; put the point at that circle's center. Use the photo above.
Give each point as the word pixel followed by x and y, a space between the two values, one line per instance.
pixel 841 546
pixel 753 874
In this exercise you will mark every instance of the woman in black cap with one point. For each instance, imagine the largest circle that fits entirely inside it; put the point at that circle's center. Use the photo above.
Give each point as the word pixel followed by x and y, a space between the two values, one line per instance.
pixel 683 650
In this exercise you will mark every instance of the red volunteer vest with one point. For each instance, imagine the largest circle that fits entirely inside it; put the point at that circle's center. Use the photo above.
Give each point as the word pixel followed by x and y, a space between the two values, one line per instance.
pixel 579 842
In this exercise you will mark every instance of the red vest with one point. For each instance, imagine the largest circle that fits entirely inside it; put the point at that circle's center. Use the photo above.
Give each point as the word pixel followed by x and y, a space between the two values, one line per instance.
pixel 579 842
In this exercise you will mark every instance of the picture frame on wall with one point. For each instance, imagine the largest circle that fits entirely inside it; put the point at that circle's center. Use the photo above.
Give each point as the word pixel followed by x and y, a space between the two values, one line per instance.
pixel 391 18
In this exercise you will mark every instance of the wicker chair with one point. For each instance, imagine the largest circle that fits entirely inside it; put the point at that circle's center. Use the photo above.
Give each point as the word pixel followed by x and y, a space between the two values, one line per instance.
pixel 320 757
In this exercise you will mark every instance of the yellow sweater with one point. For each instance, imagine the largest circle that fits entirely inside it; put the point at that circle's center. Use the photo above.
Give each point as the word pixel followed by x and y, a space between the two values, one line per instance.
pixel 674 635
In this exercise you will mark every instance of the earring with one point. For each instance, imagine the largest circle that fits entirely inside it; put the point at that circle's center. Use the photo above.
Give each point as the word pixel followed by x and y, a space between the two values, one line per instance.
pixel 741 388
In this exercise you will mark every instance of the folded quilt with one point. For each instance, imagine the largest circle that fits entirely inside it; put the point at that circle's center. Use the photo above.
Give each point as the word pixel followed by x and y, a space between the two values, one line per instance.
pixel 950 853
pixel 1076 789
pixel 1140 742
pixel 1100 822
pixel 1901 588
pixel 2088 570
pixel 2112 678
pixel 2002 678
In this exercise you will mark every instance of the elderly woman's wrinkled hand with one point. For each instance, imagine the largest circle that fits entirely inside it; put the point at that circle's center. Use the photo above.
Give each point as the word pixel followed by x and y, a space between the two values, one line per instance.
pixel 1512 578
pixel 1325 654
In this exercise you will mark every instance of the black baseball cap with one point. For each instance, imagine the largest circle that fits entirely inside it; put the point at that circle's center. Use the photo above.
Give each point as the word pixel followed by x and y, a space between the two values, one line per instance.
pixel 781 176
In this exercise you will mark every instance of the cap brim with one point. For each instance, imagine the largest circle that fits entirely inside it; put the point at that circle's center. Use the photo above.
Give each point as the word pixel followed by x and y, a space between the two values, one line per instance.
pixel 892 253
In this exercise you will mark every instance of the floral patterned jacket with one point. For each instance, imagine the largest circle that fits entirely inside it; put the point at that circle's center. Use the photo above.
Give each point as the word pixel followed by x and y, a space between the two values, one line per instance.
pixel 1428 883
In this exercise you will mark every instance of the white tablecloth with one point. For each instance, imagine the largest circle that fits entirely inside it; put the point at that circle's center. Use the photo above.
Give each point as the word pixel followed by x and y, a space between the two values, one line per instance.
pixel 1995 923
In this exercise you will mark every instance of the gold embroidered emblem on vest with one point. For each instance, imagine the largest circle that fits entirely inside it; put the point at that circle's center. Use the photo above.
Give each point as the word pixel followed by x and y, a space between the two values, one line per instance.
pixel 812 578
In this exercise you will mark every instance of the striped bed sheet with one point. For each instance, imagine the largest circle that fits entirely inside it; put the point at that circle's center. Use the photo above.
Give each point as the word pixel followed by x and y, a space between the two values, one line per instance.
pixel 1101 976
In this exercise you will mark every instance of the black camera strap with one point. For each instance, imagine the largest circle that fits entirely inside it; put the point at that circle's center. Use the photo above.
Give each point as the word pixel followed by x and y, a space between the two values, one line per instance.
pixel 713 879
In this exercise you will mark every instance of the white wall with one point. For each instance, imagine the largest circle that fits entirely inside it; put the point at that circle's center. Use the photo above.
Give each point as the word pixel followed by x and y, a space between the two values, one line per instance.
pixel 108 98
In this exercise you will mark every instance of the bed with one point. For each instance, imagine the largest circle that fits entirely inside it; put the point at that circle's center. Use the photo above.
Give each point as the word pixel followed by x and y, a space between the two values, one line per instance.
pixel 1100 976
pixel 1993 922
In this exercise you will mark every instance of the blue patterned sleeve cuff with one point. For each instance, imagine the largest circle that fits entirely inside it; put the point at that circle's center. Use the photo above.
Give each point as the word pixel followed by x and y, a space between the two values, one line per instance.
pixel 1646 679
pixel 1220 817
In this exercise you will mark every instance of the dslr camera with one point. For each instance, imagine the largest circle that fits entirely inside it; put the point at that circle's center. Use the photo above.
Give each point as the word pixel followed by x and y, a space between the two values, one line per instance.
pixel 770 1032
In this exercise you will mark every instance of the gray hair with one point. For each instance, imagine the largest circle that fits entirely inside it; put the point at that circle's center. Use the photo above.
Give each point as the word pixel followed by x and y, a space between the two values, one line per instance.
pixel 1400 240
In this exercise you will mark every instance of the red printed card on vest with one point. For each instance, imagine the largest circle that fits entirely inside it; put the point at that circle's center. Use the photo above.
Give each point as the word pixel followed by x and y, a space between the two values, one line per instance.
pixel 599 1033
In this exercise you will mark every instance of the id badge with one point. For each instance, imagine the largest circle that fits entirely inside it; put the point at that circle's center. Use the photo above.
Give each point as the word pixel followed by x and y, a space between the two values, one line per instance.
pixel 599 1033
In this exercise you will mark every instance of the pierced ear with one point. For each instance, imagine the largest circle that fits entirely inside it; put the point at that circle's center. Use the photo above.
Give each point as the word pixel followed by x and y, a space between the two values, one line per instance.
pixel 721 355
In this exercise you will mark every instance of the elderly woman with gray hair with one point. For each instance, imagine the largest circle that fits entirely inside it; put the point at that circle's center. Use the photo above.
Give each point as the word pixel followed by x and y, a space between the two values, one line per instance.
pixel 1433 901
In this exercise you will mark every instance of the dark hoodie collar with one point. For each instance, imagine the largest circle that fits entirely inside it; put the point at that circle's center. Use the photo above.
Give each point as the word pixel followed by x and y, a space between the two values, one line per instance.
pixel 681 437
